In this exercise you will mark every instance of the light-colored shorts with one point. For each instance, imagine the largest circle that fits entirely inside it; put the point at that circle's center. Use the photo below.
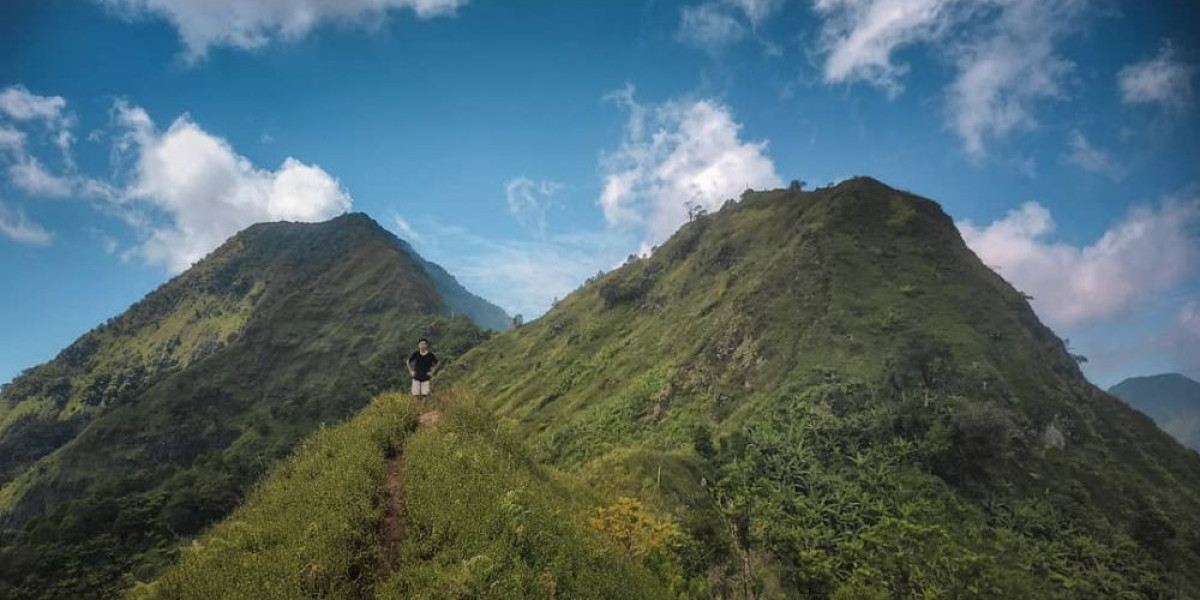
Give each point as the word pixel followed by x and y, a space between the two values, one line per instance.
pixel 420 388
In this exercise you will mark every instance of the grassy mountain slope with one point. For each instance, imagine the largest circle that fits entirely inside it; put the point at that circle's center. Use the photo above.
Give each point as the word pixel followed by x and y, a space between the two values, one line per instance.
pixel 836 398
pixel 484 521
pixel 1171 399
pixel 155 424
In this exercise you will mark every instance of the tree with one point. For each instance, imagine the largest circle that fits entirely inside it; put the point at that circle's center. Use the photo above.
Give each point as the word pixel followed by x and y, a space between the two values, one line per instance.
pixel 694 210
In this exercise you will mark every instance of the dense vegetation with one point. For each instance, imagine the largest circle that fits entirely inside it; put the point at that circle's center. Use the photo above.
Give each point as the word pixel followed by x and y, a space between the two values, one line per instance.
pixel 1171 399
pixel 835 398
pixel 310 320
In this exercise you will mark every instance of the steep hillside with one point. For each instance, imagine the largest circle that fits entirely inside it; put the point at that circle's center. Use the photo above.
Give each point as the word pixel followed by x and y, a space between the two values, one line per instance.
pixel 482 521
pixel 1171 399
pixel 836 398
pixel 156 423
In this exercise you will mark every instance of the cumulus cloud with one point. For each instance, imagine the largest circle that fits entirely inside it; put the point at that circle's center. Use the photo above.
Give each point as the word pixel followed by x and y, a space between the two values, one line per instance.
pixel 203 24
pixel 1150 250
pixel 1164 79
pixel 17 227
pixel 189 190
pixel 676 152
pixel 1004 53
pixel 528 201
pixel 1088 157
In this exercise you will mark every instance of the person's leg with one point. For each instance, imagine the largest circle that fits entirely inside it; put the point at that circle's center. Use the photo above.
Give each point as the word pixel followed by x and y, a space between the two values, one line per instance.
pixel 416 388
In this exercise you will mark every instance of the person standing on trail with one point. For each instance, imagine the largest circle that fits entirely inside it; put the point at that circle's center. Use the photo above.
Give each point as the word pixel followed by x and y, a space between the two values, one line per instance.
pixel 422 365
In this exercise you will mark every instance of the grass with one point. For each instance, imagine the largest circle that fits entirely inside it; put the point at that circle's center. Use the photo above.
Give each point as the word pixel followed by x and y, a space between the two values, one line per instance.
pixel 309 530
pixel 487 521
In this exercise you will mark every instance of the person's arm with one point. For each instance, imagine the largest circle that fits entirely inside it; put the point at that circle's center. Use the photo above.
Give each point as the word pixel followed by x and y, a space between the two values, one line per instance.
pixel 437 364
pixel 408 363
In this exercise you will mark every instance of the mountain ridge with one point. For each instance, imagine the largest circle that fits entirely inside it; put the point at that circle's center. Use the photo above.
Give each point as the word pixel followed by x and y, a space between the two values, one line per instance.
pixel 156 423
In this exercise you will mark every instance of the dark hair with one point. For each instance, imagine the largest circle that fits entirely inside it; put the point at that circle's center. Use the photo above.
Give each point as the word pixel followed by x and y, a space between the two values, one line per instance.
pixel 422 340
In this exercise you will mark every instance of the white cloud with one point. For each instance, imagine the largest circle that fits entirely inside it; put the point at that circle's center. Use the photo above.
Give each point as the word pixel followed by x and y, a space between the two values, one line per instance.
pixel 1088 157
pixel 709 26
pixel 245 24
pixel 1003 73
pixel 46 116
pixel 17 227
pixel 20 104
pixel 1004 53
pixel 528 201
pixel 677 152
pixel 201 191
pixel 1147 252
pixel 29 175
pixel 1164 79
pixel 860 36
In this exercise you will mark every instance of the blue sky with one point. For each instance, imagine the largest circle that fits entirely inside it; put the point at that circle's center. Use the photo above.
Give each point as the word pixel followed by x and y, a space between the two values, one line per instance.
pixel 525 145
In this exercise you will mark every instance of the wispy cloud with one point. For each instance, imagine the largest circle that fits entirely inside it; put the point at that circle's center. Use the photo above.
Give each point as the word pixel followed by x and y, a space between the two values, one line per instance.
pixel 529 200
pixel 203 24
pixel 16 226
pixel 1005 54
pixel 716 24
pixel 1165 80
pixel 27 118
pixel 1083 154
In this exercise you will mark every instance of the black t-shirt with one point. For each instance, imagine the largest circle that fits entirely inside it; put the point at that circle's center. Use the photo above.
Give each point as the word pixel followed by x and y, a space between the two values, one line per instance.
pixel 422 363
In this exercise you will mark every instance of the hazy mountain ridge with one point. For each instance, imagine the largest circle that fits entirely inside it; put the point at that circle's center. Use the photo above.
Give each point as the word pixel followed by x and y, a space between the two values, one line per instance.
pixel 1171 399
pixel 283 327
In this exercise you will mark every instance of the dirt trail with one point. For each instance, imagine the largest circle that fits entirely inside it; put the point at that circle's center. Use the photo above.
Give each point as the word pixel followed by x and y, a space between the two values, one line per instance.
pixel 395 510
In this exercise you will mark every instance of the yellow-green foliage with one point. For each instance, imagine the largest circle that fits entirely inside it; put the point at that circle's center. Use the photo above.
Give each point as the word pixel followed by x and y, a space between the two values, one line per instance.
pixel 311 530
pixel 631 527
pixel 486 521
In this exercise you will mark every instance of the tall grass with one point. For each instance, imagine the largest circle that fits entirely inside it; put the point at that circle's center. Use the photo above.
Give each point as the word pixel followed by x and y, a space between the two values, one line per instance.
pixel 486 521
pixel 310 530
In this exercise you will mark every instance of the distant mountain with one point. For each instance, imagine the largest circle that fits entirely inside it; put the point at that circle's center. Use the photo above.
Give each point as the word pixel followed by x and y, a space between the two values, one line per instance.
pixel 1171 399
pixel 462 301
pixel 156 423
